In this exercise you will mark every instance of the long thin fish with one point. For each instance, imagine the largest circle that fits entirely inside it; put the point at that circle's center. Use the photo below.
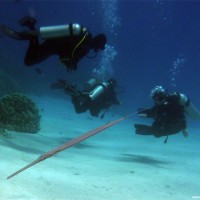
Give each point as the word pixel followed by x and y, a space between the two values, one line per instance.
pixel 70 143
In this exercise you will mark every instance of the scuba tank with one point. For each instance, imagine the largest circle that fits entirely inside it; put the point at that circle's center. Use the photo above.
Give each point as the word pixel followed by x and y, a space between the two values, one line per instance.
pixel 90 84
pixel 50 32
pixel 99 90
pixel 189 108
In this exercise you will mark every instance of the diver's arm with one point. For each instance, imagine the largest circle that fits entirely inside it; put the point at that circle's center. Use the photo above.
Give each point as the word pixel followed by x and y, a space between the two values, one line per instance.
pixel 146 112
pixel 37 53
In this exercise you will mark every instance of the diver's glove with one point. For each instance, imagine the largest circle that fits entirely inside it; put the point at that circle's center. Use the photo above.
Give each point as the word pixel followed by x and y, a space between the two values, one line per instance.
pixel 142 112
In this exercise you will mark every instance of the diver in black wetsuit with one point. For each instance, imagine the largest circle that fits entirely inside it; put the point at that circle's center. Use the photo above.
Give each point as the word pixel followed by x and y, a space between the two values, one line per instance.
pixel 70 42
pixel 96 97
pixel 168 114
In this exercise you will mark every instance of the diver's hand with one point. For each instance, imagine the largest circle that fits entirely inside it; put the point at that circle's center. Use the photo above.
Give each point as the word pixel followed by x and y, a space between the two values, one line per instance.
pixel 142 112
pixel 142 115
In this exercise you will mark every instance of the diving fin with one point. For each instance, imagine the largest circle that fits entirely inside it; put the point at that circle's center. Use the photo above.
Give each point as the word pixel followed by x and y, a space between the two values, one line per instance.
pixel 25 35
pixel 68 88
pixel 143 129
pixel 9 32
pixel 71 90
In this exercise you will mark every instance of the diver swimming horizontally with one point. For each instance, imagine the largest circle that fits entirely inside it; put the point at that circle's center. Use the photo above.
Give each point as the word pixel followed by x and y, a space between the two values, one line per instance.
pixel 168 114
pixel 71 42
pixel 96 96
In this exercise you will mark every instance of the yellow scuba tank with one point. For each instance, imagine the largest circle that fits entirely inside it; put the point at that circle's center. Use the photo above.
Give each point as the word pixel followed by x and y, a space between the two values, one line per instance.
pixel 189 108
pixel 49 32
pixel 99 90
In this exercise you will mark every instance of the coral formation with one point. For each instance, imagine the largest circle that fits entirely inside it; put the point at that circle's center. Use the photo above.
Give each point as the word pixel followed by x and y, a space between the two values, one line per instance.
pixel 19 113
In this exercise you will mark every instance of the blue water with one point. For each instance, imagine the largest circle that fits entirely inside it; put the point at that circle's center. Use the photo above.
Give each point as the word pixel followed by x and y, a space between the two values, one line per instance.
pixel 148 36
pixel 149 43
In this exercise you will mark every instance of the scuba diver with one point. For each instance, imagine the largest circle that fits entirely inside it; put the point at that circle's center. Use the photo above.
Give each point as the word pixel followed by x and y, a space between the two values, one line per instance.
pixel 95 97
pixel 70 42
pixel 168 114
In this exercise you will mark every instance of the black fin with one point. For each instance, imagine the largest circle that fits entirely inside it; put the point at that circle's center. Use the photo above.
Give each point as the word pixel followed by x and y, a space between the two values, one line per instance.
pixel 25 35
pixel 72 91
pixel 166 139
pixel 10 33
pixel 142 129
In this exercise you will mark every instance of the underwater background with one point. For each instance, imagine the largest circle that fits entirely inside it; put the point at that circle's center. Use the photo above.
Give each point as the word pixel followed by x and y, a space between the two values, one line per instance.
pixel 150 43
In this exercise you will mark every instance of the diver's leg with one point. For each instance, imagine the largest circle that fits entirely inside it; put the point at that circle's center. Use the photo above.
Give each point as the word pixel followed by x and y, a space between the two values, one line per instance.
pixel 37 53
pixel 24 35
pixel 71 90
pixel 32 53
pixel 94 111
pixel 79 105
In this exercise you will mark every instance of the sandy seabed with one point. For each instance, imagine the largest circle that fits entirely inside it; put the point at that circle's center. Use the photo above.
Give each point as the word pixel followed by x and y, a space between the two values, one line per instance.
pixel 116 164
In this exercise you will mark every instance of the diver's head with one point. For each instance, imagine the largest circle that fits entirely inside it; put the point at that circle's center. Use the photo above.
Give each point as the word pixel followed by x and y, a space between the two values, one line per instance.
pixel 99 42
pixel 158 94
pixel 112 82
